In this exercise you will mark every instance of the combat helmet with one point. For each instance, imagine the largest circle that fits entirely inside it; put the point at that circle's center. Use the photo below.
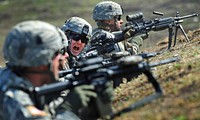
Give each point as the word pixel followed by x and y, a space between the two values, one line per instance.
pixel 32 43
pixel 106 10
pixel 78 25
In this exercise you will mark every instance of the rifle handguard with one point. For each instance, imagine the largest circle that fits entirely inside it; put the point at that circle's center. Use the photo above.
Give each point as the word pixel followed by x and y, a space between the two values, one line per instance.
pixel 134 59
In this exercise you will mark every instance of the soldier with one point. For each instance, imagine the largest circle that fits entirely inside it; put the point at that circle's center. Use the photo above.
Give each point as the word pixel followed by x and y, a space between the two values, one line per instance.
pixel 107 15
pixel 78 32
pixel 32 49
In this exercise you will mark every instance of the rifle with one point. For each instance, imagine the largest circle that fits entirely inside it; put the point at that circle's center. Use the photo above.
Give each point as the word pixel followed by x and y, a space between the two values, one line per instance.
pixel 92 71
pixel 103 42
pixel 106 62
pixel 141 26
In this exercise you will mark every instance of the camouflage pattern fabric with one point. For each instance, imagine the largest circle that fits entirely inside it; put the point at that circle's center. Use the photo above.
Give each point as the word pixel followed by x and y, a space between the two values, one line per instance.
pixel 13 102
pixel 133 44
pixel 72 61
pixel 77 25
pixel 21 43
pixel 28 44
pixel 106 10
pixel 118 46
pixel 80 26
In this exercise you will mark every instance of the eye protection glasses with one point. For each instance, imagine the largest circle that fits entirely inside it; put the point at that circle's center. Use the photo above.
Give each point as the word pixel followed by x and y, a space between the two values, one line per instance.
pixel 62 51
pixel 118 17
pixel 77 37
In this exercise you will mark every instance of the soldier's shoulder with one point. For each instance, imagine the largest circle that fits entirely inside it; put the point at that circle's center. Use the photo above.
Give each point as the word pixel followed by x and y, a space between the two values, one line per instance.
pixel 97 30
pixel 14 102
pixel 4 76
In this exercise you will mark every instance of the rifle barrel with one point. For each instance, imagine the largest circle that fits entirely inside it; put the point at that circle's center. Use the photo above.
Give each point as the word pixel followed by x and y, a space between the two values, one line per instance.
pixel 148 55
pixel 49 89
pixel 65 72
pixel 186 16
pixel 166 61
pixel 57 87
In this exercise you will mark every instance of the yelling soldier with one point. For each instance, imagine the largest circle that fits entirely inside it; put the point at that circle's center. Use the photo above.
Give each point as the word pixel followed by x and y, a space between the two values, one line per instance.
pixel 78 32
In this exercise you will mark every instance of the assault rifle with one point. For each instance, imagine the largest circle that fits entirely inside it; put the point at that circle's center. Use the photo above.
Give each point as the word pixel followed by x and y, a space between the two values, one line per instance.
pixel 92 71
pixel 141 26
pixel 106 61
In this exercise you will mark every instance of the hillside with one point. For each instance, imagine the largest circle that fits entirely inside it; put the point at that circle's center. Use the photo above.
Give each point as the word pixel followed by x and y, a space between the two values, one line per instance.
pixel 180 82
pixel 12 12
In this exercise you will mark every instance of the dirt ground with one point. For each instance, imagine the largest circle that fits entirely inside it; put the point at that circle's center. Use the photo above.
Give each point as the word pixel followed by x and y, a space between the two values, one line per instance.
pixel 180 82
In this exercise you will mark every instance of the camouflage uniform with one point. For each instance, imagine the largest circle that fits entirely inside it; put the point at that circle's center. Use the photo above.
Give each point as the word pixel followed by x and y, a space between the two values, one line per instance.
pixel 116 47
pixel 82 27
pixel 79 26
pixel 30 43
pixel 107 10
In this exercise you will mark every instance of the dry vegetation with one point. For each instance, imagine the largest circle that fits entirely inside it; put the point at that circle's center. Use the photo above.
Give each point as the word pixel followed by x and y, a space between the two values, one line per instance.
pixel 12 12
pixel 180 82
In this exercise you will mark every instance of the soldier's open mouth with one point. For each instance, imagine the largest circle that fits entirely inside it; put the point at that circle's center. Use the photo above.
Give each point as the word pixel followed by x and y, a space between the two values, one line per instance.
pixel 76 48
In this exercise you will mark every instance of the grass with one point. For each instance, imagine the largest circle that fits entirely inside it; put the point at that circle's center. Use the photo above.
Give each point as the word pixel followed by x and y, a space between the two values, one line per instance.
pixel 180 82
pixel 57 12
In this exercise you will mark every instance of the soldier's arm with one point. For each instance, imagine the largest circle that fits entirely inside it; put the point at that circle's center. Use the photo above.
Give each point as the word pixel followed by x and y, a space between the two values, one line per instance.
pixel 18 105
pixel 135 43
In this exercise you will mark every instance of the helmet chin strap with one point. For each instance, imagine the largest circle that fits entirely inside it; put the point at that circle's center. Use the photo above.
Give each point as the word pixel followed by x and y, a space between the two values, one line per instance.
pixel 107 26
pixel 47 72
pixel 115 25
pixel 103 25
pixel 22 72
pixel 50 72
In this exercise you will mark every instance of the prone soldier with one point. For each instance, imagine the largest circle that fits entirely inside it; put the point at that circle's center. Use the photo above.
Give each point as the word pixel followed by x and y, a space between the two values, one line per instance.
pixel 78 31
pixel 32 49
pixel 107 15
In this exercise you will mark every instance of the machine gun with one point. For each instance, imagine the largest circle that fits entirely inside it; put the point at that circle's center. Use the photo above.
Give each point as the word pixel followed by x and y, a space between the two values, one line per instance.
pixel 92 71
pixel 141 26
pixel 103 42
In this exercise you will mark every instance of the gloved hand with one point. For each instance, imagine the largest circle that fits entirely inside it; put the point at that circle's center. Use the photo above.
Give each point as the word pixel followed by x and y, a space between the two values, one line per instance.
pixel 129 33
pixel 107 94
pixel 102 38
pixel 100 106
pixel 80 96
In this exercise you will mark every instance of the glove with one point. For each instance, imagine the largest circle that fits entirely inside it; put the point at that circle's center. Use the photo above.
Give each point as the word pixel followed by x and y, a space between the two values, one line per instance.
pixel 134 44
pixel 107 94
pixel 102 37
pixel 129 33
pixel 100 106
pixel 133 48
pixel 80 96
